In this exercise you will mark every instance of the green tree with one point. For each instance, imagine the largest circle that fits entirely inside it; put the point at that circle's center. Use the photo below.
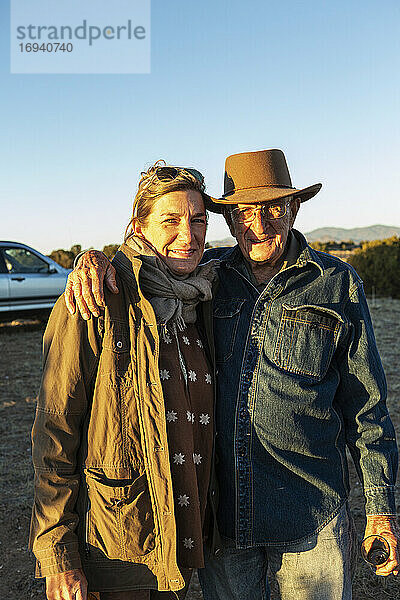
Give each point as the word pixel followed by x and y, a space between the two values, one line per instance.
pixel 65 258
pixel 110 250
pixel 322 246
pixel 76 249
pixel 378 264
pixel 347 245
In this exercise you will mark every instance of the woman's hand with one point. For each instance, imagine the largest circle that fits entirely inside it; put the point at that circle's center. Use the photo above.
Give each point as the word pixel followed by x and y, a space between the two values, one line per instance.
pixel 71 585
pixel 85 284
pixel 387 527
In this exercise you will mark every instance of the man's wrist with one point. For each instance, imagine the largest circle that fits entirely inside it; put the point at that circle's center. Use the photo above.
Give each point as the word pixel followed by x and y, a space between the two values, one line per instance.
pixel 78 256
pixel 380 500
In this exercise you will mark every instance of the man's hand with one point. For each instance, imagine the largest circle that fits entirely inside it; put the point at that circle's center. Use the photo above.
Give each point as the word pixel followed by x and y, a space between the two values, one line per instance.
pixel 388 528
pixel 71 585
pixel 85 284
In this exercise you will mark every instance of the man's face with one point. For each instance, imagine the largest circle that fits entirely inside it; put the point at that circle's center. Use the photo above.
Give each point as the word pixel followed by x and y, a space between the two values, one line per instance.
pixel 261 238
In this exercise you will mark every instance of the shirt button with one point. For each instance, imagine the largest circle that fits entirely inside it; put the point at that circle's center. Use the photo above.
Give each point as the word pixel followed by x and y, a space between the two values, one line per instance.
pixel 119 344
pixel 217 551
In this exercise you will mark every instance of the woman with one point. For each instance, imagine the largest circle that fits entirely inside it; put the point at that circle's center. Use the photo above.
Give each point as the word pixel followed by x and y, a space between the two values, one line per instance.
pixel 122 439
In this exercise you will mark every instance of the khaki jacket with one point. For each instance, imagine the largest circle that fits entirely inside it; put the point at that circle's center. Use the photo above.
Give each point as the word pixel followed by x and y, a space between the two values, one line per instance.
pixel 100 453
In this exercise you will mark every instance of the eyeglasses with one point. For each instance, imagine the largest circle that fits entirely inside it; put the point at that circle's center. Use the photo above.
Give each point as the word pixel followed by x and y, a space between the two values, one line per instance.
pixel 268 212
pixel 170 173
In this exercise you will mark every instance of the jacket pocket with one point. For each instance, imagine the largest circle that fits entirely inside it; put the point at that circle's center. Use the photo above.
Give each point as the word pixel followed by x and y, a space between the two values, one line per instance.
pixel 306 341
pixel 226 321
pixel 120 519
pixel 116 347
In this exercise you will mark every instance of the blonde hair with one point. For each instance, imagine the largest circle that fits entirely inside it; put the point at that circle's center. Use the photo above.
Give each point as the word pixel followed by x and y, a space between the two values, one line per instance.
pixel 151 188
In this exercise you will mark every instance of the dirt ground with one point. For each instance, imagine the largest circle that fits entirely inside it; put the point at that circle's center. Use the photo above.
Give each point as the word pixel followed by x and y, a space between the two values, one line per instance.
pixel 20 347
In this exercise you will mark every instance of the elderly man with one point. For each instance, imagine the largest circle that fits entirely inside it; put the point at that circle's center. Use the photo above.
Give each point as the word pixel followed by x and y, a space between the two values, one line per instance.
pixel 299 379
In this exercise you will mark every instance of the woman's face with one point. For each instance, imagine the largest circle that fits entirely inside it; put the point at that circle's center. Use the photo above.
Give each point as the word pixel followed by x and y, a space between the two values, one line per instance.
pixel 176 228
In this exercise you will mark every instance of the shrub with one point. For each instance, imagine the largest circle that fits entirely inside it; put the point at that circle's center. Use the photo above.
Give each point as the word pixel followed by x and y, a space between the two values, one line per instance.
pixel 378 264
pixel 110 250
pixel 65 258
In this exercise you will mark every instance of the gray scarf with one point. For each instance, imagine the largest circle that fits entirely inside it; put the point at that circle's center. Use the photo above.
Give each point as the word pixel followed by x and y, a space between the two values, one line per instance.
pixel 174 298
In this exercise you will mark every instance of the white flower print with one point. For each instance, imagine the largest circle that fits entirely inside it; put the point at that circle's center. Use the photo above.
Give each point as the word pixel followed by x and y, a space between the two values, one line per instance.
pixel 186 340
pixel 164 374
pixel 197 458
pixel 179 459
pixel 172 415
pixel 192 376
pixel 204 419
pixel 199 343
pixel 208 378
pixel 167 338
pixel 183 500
pixel 188 543
pixel 190 416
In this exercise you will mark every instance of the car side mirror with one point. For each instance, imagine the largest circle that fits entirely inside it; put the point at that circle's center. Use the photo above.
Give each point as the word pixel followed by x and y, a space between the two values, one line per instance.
pixel 51 270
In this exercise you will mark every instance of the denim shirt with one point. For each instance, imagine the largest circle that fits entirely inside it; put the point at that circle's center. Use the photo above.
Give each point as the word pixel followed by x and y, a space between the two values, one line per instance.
pixel 299 378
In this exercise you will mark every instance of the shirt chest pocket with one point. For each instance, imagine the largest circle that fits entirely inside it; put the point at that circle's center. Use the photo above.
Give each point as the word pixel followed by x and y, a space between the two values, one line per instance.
pixel 306 340
pixel 226 321
pixel 116 347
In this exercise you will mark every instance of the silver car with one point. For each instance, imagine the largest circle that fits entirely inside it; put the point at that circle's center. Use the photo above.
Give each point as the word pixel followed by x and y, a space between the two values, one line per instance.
pixel 30 282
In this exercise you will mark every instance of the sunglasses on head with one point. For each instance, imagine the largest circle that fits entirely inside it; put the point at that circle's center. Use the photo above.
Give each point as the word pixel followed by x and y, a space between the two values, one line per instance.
pixel 170 173
pixel 165 173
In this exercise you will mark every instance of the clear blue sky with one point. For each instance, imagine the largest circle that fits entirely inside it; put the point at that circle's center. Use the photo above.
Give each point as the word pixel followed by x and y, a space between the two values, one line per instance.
pixel 317 78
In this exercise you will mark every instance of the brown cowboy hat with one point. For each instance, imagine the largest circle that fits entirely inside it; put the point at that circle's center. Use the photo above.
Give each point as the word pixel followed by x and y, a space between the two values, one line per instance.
pixel 252 177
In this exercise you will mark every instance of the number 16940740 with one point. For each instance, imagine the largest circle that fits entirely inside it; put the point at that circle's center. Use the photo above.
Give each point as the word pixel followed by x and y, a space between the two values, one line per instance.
pixel 49 47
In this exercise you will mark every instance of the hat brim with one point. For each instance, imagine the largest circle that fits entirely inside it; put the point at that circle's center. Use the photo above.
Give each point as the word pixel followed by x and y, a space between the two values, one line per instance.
pixel 262 194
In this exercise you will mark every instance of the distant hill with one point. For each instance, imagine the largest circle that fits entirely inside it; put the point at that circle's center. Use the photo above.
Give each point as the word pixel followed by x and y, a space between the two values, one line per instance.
pixel 358 234
pixel 336 234
pixel 229 241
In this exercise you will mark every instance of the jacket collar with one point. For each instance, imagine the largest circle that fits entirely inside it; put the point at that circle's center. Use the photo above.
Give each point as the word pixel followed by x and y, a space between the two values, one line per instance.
pixel 307 254
pixel 128 263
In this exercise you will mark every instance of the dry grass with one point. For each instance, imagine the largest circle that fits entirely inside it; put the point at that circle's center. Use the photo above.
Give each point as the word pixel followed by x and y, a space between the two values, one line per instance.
pixel 20 347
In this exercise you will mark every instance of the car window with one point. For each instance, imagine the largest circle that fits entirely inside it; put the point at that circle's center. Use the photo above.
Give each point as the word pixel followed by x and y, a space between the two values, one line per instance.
pixel 3 268
pixel 19 260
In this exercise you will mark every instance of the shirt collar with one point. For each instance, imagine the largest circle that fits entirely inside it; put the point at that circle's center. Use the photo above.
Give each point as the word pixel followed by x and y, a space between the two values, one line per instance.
pixel 307 254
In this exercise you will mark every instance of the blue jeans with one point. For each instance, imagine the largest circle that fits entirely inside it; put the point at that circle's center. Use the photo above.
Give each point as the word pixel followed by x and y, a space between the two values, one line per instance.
pixel 319 568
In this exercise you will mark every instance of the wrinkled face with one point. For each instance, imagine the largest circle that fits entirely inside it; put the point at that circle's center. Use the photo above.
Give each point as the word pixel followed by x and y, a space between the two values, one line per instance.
pixel 263 239
pixel 176 228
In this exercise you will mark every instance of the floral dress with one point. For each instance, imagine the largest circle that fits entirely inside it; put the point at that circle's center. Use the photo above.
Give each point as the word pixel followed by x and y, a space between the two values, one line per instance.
pixel 187 384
